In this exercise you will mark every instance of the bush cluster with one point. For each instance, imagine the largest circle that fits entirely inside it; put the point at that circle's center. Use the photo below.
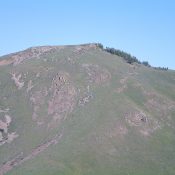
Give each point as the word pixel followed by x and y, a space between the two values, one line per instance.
pixel 128 57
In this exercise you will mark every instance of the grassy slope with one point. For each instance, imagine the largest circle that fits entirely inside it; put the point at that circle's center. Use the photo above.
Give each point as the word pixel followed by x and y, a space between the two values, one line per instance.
pixel 92 143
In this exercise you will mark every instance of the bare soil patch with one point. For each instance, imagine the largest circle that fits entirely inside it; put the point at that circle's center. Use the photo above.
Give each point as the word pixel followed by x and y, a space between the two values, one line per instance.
pixel 5 136
pixel 63 96
pixel 96 74
pixel 17 79
pixel 143 123
pixel 20 158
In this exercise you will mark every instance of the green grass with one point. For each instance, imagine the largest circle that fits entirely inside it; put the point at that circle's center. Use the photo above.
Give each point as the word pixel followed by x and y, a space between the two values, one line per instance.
pixel 91 142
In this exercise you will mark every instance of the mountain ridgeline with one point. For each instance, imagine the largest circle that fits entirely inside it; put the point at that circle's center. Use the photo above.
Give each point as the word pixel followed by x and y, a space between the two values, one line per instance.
pixel 87 110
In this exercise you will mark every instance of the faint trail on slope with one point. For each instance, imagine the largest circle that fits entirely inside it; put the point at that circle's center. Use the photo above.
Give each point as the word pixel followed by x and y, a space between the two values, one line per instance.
pixel 19 159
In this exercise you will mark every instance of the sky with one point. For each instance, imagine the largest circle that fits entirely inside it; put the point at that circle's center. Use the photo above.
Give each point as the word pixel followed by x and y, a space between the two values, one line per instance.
pixel 143 28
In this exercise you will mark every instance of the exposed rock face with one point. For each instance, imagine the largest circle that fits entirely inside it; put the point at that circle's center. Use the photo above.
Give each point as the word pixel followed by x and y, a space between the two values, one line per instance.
pixel 63 98
pixel 19 84
pixel 31 53
pixel 5 136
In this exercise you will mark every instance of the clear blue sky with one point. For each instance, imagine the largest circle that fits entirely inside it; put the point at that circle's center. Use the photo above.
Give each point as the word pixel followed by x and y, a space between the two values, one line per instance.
pixel 144 28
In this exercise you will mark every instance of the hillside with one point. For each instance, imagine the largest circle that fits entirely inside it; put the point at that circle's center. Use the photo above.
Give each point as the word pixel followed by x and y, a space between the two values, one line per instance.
pixel 79 110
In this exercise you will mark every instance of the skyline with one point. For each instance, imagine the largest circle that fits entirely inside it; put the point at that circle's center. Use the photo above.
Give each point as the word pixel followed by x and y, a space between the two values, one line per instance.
pixel 143 29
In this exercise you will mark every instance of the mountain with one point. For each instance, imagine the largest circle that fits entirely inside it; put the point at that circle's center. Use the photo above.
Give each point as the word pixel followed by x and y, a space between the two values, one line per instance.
pixel 79 110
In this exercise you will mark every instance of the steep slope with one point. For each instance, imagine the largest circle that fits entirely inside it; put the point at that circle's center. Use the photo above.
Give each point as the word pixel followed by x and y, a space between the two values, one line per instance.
pixel 80 110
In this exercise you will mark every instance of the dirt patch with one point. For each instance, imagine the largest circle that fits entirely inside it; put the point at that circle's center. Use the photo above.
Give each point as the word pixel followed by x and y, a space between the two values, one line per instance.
pixel 34 52
pixel 136 118
pixel 5 124
pixel 63 96
pixel 96 74
pixel 17 79
pixel 85 99
pixel 20 158
pixel 11 137
pixel 151 127
pixel 160 106
pixel 79 51
pixel 83 48
pixel 122 88
pixel 29 86
pixel 123 83
pixel 5 136
pixel 3 127
pixel 6 62
pixel 144 124
pixel 157 103
pixel 60 102
pixel 38 100
pixel 118 130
